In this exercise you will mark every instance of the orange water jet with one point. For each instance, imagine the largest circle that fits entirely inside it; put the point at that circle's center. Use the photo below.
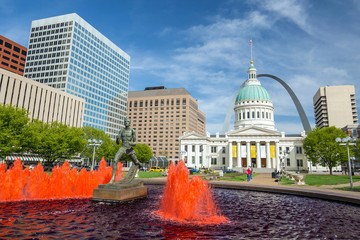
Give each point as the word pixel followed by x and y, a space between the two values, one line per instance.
pixel 188 201
pixel 17 183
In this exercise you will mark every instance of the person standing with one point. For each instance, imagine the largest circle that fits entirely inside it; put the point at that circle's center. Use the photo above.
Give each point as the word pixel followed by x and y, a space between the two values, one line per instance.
pixel 248 172
pixel 251 173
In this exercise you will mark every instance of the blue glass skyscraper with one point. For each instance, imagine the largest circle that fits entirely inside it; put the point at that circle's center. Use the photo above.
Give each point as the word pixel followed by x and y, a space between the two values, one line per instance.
pixel 66 52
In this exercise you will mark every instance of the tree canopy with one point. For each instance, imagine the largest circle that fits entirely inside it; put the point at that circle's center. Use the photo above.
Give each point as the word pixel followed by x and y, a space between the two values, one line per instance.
pixel 107 149
pixel 143 153
pixel 321 148
pixel 13 121
pixel 55 140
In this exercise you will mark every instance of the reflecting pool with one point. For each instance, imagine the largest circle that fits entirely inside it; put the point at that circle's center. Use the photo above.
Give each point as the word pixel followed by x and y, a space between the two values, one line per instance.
pixel 251 215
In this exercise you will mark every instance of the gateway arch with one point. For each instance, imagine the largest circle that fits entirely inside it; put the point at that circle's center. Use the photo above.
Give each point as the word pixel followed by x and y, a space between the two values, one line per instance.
pixel 299 108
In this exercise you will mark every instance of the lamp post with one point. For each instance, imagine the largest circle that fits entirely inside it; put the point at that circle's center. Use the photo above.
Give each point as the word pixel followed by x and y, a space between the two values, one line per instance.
pixel 94 143
pixel 346 142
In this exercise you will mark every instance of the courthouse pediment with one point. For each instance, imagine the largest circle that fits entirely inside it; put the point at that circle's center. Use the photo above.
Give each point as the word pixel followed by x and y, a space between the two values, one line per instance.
pixel 252 131
pixel 192 136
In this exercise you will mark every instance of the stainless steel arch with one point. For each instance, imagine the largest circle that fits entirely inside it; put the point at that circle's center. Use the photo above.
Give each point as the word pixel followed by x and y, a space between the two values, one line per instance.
pixel 299 108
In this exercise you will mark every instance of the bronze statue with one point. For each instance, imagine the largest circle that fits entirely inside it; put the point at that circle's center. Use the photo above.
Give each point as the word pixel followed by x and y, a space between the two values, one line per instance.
pixel 128 138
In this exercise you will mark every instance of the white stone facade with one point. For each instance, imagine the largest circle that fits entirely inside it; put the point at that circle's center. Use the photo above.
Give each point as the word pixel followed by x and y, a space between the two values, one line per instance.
pixel 263 149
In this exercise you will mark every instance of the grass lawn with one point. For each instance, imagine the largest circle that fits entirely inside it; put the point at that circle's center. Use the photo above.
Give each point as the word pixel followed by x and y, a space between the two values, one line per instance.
pixel 318 180
pixel 149 174
pixel 286 181
pixel 235 177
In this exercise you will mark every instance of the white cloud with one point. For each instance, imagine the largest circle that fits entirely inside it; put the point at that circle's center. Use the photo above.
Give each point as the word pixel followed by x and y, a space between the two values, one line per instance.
pixel 290 9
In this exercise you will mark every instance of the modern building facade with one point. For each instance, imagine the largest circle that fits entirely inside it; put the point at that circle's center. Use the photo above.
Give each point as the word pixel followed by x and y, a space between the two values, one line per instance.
pixel 42 102
pixel 254 141
pixel 12 56
pixel 67 53
pixel 335 106
pixel 160 116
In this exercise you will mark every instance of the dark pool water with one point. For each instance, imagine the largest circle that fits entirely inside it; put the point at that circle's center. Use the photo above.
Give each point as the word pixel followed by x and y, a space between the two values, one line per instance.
pixel 252 215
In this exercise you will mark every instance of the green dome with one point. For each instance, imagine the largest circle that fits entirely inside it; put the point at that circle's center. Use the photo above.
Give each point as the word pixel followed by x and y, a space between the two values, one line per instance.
pixel 253 92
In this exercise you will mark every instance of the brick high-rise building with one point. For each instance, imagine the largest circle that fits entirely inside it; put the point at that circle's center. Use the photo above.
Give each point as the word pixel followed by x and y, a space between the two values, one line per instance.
pixel 335 106
pixel 160 116
pixel 12 56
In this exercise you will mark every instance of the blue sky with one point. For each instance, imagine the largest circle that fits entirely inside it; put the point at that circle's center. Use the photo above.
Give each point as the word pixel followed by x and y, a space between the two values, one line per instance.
pixel 203 45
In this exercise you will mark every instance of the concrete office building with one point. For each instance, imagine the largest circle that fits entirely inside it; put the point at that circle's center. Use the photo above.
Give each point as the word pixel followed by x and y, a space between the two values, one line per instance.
pixel 67 53
pixel 44 103
pixel 160 116
pixel 335 106
pixel 12 56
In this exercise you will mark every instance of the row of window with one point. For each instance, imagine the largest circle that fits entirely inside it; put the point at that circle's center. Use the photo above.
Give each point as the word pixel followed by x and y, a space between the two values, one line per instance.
pixel 100 44
pixel 264 115
pixel 11 47
pixel 94 67
pixel 146 103
pixel 114 63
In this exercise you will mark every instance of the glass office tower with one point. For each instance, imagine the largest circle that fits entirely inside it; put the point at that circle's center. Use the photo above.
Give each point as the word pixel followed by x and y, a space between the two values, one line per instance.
pixel 66 52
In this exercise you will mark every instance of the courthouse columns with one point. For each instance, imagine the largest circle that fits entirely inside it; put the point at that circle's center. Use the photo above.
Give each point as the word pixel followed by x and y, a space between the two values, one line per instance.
pixel 248 154
pixel 258 155
pixel 197 151
pixel 230 155
pixel 268 159
pixel 239 163
pixel 277 155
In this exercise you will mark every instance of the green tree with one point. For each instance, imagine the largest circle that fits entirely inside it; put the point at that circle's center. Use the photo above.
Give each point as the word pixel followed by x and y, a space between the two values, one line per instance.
pixel 13 121
pixel 55 141
pixel 321 148
pixel 107 149
pixel 143 153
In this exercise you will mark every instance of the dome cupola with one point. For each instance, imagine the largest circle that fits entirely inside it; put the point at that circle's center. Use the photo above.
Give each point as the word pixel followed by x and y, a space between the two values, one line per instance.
pixel 253 104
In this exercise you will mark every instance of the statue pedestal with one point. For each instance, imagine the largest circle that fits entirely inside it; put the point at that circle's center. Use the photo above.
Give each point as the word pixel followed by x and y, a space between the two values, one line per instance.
pixel 119 192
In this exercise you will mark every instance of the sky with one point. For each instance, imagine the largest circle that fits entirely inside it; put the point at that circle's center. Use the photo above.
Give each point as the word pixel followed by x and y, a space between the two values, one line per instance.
pixel 203 46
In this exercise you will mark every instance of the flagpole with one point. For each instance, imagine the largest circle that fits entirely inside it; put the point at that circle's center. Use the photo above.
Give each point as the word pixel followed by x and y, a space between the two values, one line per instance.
pixel 250 43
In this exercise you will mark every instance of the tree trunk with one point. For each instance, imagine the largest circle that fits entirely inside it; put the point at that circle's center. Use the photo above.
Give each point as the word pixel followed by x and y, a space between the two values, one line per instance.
pixel 330 168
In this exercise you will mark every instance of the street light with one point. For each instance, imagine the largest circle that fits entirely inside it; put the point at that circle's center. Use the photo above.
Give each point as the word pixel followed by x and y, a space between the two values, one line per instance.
pixel 346 142
pixel 95 143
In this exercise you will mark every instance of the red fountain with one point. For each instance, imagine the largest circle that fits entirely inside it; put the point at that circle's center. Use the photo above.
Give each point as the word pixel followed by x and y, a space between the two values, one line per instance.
pixel 188 201
pixel 17 183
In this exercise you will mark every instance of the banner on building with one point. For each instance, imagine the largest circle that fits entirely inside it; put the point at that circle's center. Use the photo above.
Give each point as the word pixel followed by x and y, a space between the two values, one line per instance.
pixel 243 151
pixel 234 151
pixel 263 151
pixel 272 151
pixel 253 151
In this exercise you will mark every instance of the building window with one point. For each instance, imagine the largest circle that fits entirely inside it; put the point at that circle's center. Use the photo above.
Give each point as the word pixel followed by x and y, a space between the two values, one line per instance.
pixel 193 148
pixel 298 150
pixel 299 162
pixel 213 161
pixel 201 148
pixel 223 149
pixel 135 103
pixel 288 162
pixel 223 161
pixel 248 115
pixel 287 150
pixel 184 101
pixel 186 148
pixel 213 149
pixel 193 159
